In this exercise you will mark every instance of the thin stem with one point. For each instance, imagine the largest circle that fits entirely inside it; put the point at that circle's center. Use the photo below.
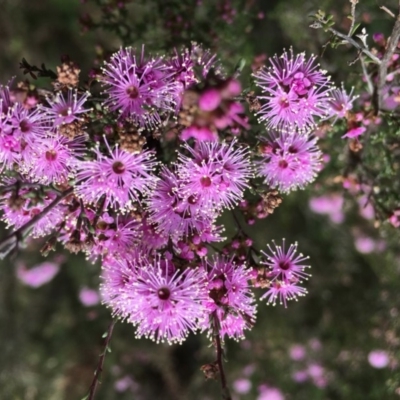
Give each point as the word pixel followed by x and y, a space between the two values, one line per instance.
pixel 353 16
pixel 383 68
pixel 238 224
pixel 225 391
pixel 356 45
pixel 13 238
pixel 100 364
pixel 366 76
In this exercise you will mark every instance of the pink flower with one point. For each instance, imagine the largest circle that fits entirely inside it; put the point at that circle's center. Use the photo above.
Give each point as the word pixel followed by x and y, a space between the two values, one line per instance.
pixel 395 219
pixel 210 99
pixel 330 204
pixel 200 133
pixel 378 359
pixel 242 386
pixel 297 352
pixel 364 244
pixel 295 92
pixel 270 393
pixel 89 297
pixel 291 160
pixel 354 132
pixel 38 275
pixel 300 376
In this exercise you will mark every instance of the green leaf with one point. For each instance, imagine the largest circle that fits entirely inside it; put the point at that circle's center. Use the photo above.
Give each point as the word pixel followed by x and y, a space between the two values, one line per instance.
pixel 355 27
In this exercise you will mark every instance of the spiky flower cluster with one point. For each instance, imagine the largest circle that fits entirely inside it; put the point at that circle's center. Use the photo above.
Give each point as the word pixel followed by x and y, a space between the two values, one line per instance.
pixel 141 179
pixel 283 274
pixel 289 161
pixel 296 94
pixel 295 90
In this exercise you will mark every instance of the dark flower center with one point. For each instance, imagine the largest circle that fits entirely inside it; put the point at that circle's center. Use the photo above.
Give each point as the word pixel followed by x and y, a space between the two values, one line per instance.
pixel 285 265
pixel 192 200
pixel 292 149
pixel 118 167
pixel 284 102
pixel 24 126
pixel 163 293
pixel 283 164
pixel 65 112
pixel 132 92
pixel 205 181
pixel 51 155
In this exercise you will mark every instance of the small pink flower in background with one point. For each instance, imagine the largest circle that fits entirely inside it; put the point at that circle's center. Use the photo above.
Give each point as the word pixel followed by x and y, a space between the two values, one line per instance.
pixel 297 352
pixel 200 133
pixel 248 370
pixel 320 382
pixel 331 205
pixel 38 275
pixel 210 99
pixel 315 370
pixel 125 383
pixel 242 386
pixel 300 376
pixel 270 393
pixel 317 374
pixel 366 208
pixel 395 219
pixel 355 132
pixel 364 244
pixel 315 344
pixel 378 359
pixel 89 297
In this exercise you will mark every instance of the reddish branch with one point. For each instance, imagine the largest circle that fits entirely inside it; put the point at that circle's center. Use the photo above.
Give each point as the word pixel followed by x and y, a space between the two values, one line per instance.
pixel 225 391
pixel 383 67
pixel 99 369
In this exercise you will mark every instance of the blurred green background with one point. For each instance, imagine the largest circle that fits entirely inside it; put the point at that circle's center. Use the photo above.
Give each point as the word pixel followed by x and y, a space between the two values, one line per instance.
pixel 50 341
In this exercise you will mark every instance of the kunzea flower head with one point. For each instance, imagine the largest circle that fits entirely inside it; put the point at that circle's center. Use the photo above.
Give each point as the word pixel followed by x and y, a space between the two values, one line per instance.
pixel 230 299
pixel 190 66
pixel 215 173
pixel 139 88
pixel 290 161
pixel 164 303
pixel 120 176
pixel 66 108
pixel 114 235
pixel 54 158
pixel 296 91
pixel 341 102
pixel 204 61
pixel 182 68
pixel 206 110
pixel 284 271
pixel 174 214
pixel 28 124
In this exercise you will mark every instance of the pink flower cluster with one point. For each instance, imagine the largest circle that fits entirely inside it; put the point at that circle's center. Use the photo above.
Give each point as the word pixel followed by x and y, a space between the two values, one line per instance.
pixel 73 169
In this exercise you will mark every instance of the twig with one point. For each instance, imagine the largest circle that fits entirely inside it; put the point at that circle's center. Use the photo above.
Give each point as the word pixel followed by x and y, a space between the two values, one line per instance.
pixel 383 68
pixel 366 76
pixel 13 238
pixel 225 391
pixel 351 41
pixel 387 11
pixel 353 16
pixel 99 369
